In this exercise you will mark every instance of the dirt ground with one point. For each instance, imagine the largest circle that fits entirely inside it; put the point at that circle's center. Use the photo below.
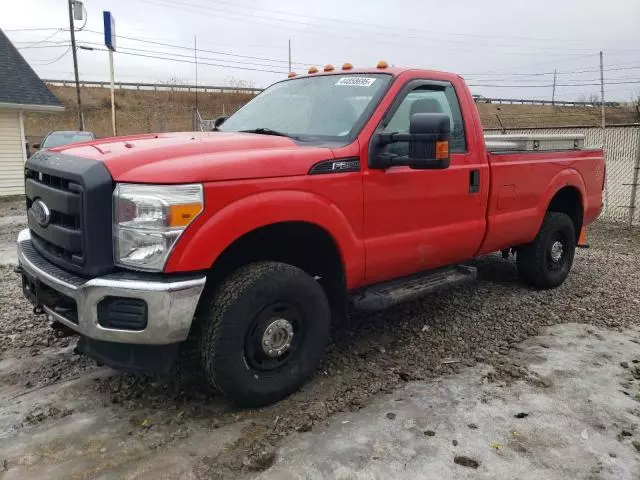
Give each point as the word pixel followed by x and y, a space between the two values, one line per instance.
pixel 61 416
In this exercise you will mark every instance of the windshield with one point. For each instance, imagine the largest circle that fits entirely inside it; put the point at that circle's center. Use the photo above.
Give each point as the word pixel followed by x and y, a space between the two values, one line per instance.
pixel 63 138
pixel 326 107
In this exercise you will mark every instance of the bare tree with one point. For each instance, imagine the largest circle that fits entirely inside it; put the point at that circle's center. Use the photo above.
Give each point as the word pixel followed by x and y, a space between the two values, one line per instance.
pixel 594 99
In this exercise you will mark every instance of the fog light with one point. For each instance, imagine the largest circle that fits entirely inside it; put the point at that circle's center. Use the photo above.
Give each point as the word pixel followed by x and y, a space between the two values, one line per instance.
pixel 121 313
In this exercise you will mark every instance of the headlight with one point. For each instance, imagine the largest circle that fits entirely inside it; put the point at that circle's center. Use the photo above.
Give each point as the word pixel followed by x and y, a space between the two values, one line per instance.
pixel 149 219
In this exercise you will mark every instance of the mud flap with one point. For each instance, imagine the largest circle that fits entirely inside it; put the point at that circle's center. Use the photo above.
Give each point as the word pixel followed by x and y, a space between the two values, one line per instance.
pixel 582 241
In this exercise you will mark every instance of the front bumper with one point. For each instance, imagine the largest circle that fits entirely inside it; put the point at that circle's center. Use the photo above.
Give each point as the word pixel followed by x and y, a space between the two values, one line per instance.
pixel 171 301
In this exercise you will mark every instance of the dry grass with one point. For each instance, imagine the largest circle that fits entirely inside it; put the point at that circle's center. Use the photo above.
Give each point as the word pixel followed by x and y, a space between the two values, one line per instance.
pixel 139 111
pixel 523 116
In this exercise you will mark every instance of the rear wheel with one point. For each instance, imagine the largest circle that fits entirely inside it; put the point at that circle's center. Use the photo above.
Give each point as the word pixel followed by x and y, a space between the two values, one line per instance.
pixel 264 331
pixel 546 262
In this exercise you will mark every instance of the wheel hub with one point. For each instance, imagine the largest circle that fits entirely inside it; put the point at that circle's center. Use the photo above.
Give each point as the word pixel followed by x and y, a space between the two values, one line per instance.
pixel 277 337
pixel 557 249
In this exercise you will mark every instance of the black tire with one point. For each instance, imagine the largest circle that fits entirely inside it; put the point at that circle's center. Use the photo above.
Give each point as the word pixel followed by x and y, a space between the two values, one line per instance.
pixel 538 262
pixel 235 321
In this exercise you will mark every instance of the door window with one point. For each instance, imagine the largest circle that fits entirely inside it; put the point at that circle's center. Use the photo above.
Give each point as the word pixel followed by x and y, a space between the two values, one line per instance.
pixel 428 99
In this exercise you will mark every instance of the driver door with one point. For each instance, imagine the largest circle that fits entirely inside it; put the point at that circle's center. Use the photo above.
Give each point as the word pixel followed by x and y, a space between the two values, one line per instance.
pixel 416 220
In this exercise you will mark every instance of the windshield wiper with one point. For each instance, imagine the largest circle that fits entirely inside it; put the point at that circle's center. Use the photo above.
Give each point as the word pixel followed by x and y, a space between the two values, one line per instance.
pixel 268 131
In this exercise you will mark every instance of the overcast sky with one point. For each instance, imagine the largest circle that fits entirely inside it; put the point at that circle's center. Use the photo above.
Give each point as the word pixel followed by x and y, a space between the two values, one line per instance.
pixel 514 44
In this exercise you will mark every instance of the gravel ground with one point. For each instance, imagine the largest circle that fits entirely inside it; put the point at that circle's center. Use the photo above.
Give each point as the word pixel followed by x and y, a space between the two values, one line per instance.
pixel 12 207
pixel 12 220
pixel 374 354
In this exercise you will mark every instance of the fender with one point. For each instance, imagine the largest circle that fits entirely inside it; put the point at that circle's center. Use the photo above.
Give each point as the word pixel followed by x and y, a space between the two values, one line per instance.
pixel 522 226
pixel 208 236
pixel 569 177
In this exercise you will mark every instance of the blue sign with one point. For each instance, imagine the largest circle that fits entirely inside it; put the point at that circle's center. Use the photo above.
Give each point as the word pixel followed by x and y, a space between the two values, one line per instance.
pixel 109 30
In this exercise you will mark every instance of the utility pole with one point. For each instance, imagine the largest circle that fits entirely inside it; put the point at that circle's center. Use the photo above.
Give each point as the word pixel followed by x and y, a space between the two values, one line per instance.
pixel 553 94
pixel 290 55
pixel 603 123
pixel 602 95
pixel 195 57
pixel 75 66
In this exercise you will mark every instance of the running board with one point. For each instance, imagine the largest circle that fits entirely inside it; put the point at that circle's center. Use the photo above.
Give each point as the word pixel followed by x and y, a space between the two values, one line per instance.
pixel 383 295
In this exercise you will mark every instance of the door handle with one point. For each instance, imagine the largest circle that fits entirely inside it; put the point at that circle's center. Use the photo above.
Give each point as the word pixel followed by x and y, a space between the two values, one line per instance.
pixel 474 181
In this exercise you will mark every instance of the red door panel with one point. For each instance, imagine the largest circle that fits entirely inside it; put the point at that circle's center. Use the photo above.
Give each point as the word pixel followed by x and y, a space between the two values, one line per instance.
pixel 417 220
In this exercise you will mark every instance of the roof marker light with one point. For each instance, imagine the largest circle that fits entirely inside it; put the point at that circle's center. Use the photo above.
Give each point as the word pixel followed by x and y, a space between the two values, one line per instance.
pixel 347 66
pixel 313 70
pixel 382 64
pixel 329 68
pixel 292 74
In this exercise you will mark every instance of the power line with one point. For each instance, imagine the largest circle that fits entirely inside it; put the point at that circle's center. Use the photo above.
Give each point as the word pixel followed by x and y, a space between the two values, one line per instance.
pixel 50 42
pixel 57 59
pixel 120 49
pixel 566 59
pixel 32 29
pixel 390 30
pixel 191 61
pixel 66 44
pixel 535 74
pixel 33 44
pixel 320 29
pixel 606 69
pixel 170 45
pixel 524 82
pixel 550 85
pixel 386 27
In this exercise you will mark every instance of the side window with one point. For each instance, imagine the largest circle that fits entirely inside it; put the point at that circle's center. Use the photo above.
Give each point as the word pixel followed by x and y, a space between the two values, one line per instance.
pixel 428 99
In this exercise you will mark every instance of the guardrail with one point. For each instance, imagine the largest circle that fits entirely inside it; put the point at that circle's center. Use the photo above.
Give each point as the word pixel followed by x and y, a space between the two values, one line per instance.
pixel 155 86
pixel 231 89
pixel 557 103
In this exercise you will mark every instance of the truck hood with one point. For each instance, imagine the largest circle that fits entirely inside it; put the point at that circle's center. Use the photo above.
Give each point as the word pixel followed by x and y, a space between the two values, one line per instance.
pixel 199 156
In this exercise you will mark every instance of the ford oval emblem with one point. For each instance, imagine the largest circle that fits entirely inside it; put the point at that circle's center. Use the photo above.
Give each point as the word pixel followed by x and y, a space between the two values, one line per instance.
pixel 41 212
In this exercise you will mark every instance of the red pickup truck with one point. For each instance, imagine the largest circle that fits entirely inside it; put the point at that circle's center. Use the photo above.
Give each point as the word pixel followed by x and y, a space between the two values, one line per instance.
pixel 334 190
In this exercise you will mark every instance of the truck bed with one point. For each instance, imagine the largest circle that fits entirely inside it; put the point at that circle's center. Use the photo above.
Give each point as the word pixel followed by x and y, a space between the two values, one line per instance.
pixel 523 182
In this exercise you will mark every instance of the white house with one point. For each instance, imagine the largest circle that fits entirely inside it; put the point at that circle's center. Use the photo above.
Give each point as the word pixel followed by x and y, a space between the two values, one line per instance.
pixel 21 90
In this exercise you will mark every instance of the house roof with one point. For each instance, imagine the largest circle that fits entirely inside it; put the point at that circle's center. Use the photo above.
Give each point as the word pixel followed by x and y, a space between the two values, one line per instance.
pixel 20 86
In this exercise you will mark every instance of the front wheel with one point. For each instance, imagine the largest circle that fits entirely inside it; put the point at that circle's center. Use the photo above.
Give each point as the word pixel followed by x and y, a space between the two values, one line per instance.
pixel 265 329
pixel 546 262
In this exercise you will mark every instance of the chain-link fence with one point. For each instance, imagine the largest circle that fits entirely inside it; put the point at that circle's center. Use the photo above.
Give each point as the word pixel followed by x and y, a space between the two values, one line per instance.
pixel 623 160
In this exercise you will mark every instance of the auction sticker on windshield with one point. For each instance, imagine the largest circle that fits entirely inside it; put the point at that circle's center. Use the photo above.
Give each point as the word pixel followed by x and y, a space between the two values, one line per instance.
pixel 356 81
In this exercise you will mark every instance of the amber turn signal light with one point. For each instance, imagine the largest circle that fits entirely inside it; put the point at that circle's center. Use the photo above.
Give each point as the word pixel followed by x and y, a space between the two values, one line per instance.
pixel 181 215
pixel 442 150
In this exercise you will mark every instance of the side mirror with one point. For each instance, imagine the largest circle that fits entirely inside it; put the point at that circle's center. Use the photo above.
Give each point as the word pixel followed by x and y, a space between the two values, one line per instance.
pixel 36 146
pixel 428 139
pixel 219 121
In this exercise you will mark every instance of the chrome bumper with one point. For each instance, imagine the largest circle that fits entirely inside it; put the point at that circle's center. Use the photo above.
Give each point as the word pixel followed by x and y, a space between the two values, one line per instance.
pixel 171 303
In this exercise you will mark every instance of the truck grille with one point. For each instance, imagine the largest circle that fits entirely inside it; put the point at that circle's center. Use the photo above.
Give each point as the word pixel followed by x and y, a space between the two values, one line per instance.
pixel 69 211
pixel 62 236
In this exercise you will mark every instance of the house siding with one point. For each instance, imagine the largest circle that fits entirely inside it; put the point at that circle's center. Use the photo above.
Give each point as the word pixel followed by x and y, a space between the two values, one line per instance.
pixel 12 153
